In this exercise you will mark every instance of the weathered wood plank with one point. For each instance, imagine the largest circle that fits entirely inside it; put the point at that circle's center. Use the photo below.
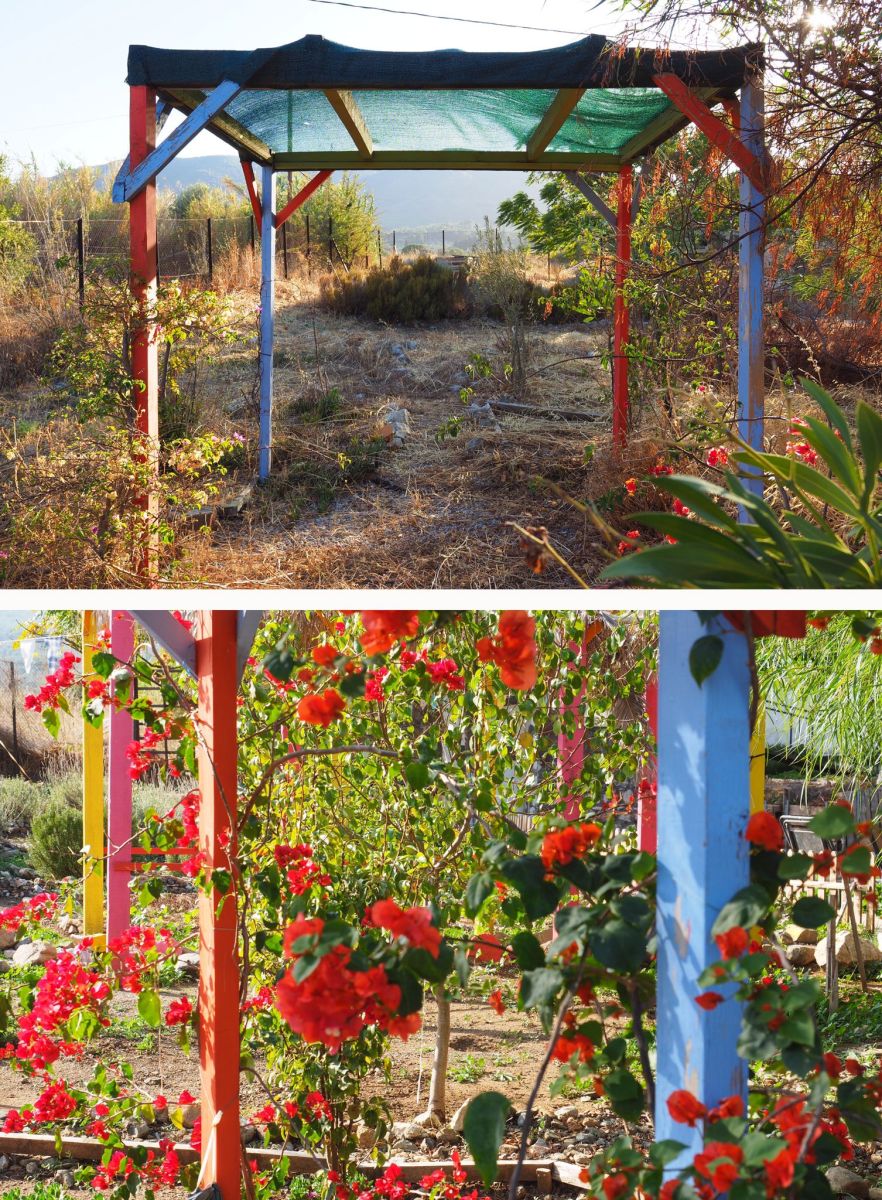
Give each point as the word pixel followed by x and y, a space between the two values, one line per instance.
pixel 352 117
pixel 553 120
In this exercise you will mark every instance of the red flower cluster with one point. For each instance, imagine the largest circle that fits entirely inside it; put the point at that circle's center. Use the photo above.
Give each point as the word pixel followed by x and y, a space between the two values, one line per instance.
pixel 55 1103
pixel 137 950
pixel 325 656
pixel 764 829
pixel 685 1108
pixel 412 924
pixel 513 650
pixel 302 872
pixel 179 1012
pixel 155 1171
pixel 717 456
pixel 140 754
pixel 732 943
pixel 801 449
pixel 561 846
pixel 383 629
pixel 373 684
pixel 62 677
pixel 65 987
pixel 321 708
pixel 626 547
pixel 572 1042
pixel 39 908
pixel 445 671
pixel 719 1163
pixel 496 1003
pixel 334 1003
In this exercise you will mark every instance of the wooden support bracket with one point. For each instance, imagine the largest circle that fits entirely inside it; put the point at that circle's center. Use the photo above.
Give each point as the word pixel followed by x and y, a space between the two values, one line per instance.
pixel 579 181
pixel 553 121
pixel 724 138
pixel 350 114
pixel 302 196
pixel 248 172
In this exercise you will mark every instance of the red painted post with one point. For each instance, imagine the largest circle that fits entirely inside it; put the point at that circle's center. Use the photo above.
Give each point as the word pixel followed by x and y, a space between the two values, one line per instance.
pixel 119 790
pixel 143 265
pixel 621 314
pixel 571 748
pixel 218 959
pixel 647 798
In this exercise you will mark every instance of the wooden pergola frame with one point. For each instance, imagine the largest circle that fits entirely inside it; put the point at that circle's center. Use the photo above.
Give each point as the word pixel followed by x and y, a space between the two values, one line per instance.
pixel 741 140
pixel 705 794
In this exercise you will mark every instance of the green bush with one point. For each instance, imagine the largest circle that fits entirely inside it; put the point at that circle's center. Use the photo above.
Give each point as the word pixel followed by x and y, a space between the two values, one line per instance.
pixel 57 840
pixel 20 801
pixel 422 290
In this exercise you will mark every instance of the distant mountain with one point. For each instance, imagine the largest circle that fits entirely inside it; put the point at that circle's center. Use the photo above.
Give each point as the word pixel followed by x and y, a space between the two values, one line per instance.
pixel 405 200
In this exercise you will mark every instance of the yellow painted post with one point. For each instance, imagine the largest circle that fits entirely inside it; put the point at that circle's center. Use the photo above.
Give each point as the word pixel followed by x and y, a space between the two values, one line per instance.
pixel 758 760
pixel 93 802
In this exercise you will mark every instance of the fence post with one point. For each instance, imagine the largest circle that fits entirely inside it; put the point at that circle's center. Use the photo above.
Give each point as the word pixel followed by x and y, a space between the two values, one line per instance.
pixel 251 233
pixel 331 240
pixel 443 241
pixel 81 262
pixel 308 248
pixel 380 249
pixel 393 241
pixel 14 713
pixel 285 249
pixel 210 249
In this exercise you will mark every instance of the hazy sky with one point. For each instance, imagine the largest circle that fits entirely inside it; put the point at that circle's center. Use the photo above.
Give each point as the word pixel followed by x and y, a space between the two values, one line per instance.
pixel 62 92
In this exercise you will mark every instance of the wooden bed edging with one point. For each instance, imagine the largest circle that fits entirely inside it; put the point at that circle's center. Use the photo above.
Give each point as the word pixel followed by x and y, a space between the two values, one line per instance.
pixel 539 1171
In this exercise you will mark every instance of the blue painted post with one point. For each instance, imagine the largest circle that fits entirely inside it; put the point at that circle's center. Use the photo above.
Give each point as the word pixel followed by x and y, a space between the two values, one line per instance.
pixel 703 808
pixel 751 382
pixel 267 296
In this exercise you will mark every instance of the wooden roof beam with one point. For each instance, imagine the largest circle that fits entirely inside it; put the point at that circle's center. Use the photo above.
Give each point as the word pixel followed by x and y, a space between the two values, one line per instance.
pixel 551 124
pixel 224 126
pixel 350 114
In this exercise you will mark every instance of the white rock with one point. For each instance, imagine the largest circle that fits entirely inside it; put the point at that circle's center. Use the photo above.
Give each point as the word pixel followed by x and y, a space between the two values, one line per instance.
pixel 845 952
pixel 568 1110
pixel 407 1131
pixel 188 963
pixel 447 1135
pixel 457 1121
pixel 800 956
pixel 30 953
pixel 846 1183
pixel 428 1120
pixel 802 937
pixel 190 1114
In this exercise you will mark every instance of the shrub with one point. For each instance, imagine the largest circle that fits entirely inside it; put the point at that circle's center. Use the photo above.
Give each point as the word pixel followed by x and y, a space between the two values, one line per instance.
pixel 57 840
pixel 422 290
pixel 20 801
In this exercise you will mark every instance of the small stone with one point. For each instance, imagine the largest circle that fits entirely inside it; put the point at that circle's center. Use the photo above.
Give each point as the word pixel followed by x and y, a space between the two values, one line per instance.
pixel 406 1147
pixel 568 1110
pixel 586 1138
pixel 846 1183
pixel 411 345
pixel 65 1178
pixel 248 1133
pixel 138 1129
pixel 7 938
pixel 190 1114
pixel 32 1167
pixel 875 1193
pixel 802 937
pixel 4 966
pixel 447 1136
pixel 188 964
pixel 34 953
pixel 408 1130
pixel 365 1136
pixel 428 1120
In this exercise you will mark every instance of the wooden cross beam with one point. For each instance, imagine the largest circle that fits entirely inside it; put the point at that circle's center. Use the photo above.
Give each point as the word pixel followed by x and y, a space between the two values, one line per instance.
pixel 147 170
pixel 579 181
pixel 117 192
pixel 350 114
pixel 553 120
pixel 302 196
pixel 248 172
pixel 724 138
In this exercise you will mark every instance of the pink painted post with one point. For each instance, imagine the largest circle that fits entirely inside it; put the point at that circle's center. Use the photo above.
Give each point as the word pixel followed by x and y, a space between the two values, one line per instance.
pixel 647 815
pixel 571 749
pixel 119 791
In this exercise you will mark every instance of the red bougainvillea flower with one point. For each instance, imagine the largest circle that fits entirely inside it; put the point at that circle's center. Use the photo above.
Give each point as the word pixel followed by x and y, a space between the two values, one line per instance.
pixel 631 486
pixel 572 1042
pixel 779 1172
pixel 732 1106
pixel 764 829
pixel 413 924
pixel 321 708
pixel 719 1163
pixel 709 1000
pixel 685 1108
pixel 513 650
pixel 717 456
pixel 832 1065
pixel 302 871
pixel 823 863
pixel 325 656
pixel 495 1002
pixel 179 1011
pixel 733 942
pixel 616 1186
pixel 487 948
pixel 561 846
pixel 383 629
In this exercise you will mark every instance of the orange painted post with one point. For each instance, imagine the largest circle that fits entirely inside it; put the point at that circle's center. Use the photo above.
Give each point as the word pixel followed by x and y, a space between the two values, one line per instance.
pixel 647 794
pixel 621 315
pixel 218 958
pixel 143 264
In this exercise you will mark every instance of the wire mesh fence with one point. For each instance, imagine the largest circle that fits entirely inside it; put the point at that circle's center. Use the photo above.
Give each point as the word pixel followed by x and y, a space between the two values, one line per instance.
pixel 206 248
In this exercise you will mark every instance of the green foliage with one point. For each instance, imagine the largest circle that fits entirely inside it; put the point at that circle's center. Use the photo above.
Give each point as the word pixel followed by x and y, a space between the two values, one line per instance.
pixel 422 290
pixel 828 533
pixel 56 841
pixel 20 801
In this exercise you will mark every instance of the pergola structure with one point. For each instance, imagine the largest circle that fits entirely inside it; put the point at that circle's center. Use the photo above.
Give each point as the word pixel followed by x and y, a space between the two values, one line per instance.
pixel 583 108
pixel 704 756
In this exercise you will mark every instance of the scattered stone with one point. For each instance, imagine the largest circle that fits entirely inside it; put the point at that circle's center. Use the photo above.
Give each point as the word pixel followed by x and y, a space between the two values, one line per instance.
pixel 568 1110
pixel 5 1164
pixel 875 1193
pixel 138 1129
pixel 248 1133
pixel 406 1147
pixel 188 964
pixel 7 938
pixel 411 345
pixel 846 1183
pixel 69 924
pixel 65 1178
pixel 447 1135
pixel 236 406
pixel 365 1136
pixel 32 1167
pixel 408 1131
pixel 457 1121
pixel 428 1120
pixel 396 426
pixel 36 953
pixel 845 950
pixel 398 351
pixel 800 956
pixel 802 937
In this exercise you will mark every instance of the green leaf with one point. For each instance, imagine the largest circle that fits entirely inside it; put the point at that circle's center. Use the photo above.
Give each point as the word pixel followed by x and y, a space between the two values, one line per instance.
pixel 538 895
pixel 857 861
pixel 103 664
pixel 352 685
pixel 664 1152
pixel 540 987
pixel 811 911
pixel 280 662
pixel 704 657
pixel 795 866
pixel 528 950
pixel 835 821
pixel 619 946
pixel 478 888
pixel 51 720
pixel 484 1129
pixel 417 775
pixel 149 1008
pixel 799 1028
pixel 463 966
pixel 747 907
pixel 625 1094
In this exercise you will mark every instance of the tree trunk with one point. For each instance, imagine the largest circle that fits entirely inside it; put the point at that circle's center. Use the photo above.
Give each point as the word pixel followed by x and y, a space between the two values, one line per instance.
pixel 437 1106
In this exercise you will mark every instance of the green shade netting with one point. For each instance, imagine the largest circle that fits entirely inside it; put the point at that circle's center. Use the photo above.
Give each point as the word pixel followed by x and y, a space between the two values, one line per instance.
pixel 604 120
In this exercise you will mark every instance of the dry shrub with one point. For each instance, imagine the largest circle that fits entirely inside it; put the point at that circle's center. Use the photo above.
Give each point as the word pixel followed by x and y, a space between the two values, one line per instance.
pixel 420 290
pixel 237 267
pixel 26 337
